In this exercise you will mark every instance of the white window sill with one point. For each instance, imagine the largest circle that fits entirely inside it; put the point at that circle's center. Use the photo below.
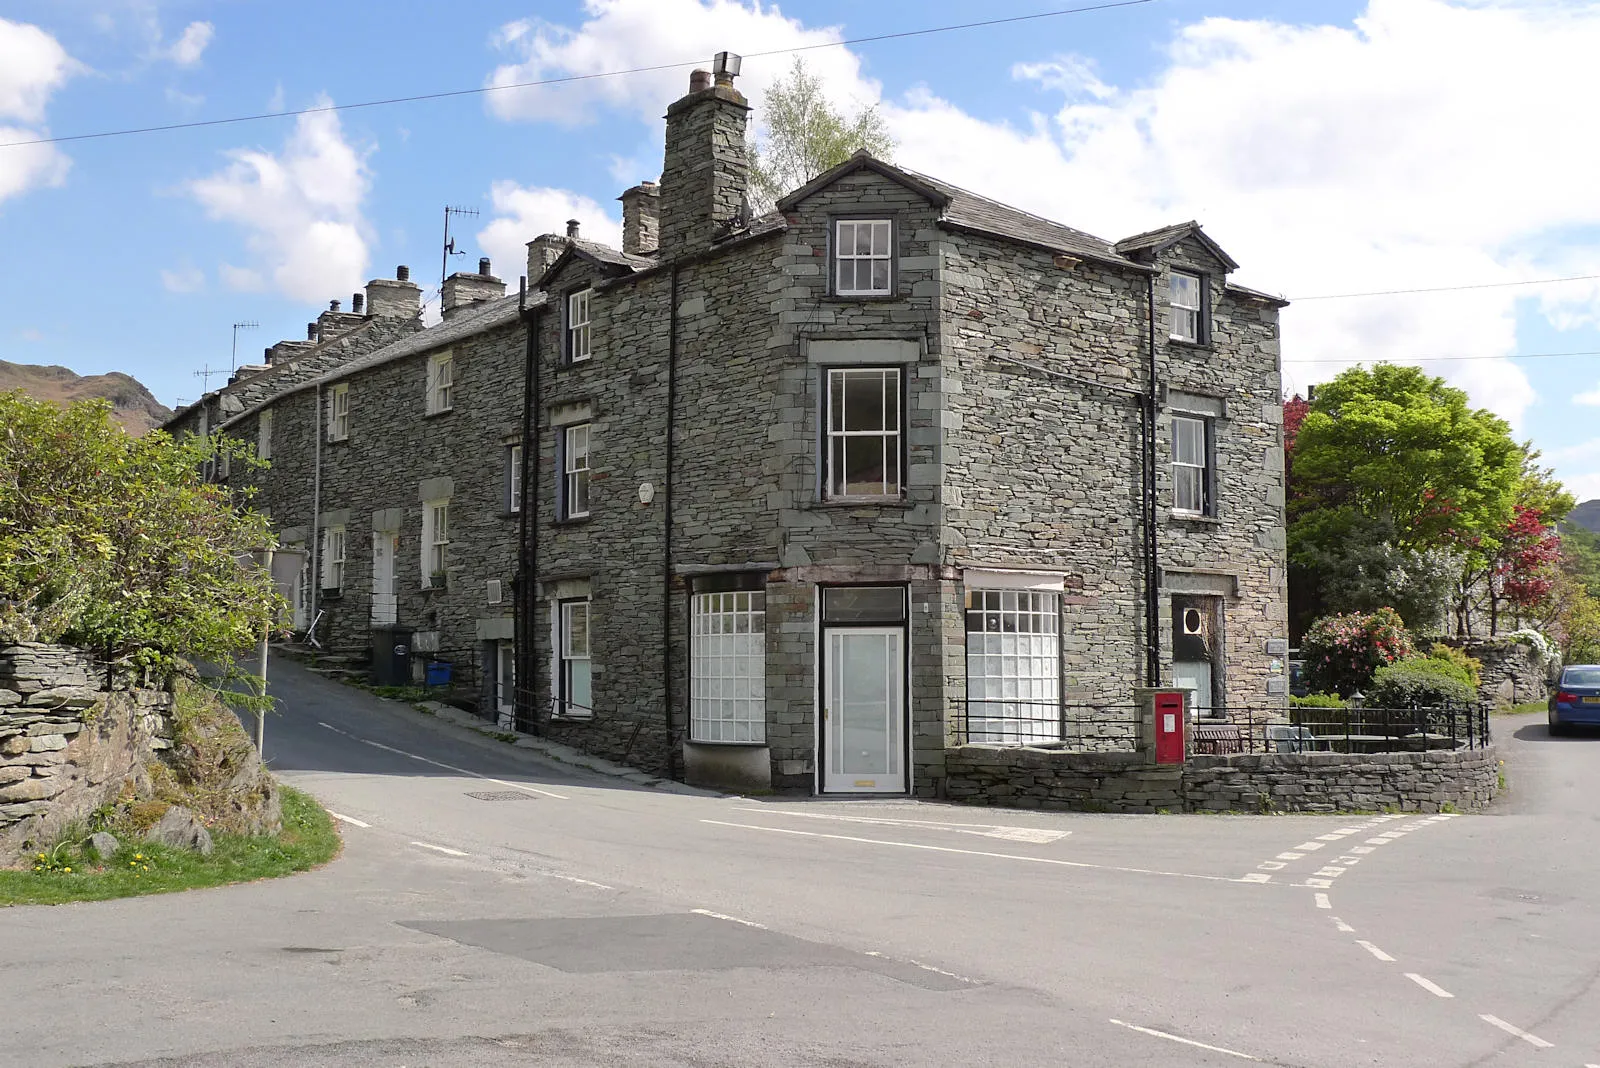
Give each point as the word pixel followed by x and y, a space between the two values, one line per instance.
pixel 887 501
pixel 737 745
pixel 1194 517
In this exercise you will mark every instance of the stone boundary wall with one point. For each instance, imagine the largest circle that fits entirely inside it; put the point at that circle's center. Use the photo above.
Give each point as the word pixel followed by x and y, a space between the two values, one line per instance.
pixel 1022 777
pixel 71 733
pixel 1512 673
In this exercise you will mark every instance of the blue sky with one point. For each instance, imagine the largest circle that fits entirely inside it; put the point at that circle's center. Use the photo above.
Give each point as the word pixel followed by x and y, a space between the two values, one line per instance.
pixel 1331 147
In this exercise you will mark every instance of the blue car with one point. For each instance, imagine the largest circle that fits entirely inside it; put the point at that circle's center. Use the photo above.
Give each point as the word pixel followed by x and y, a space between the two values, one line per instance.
pixel 1576 702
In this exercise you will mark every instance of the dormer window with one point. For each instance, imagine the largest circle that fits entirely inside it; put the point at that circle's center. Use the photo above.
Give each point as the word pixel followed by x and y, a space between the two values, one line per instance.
pixel 578 326
pixel 863 258
pixel 1187 307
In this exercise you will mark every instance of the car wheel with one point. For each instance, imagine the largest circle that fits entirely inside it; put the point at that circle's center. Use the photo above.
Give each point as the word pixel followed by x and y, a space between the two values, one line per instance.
pixel 1557 728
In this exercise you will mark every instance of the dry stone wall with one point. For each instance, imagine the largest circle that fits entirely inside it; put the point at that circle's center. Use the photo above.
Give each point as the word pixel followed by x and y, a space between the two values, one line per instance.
pixel 70 734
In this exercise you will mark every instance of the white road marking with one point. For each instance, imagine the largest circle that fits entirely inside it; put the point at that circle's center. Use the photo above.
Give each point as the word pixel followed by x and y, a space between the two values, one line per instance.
pixel 1341 925
pixel 1309 847
pixel 1347 831
pixel 575 879
pixel 924 967
pixel 1392 835
pixel 1510 1029
pixel 977 852
pixel 1290 856
pixel 1379 841
pixel 1429 985
pixel 1036 835
pixel 1186 1041
pixel 347 819
pixel 1374 950
pixel 1363 850
pixel 1272 865
pixel 1323 902
pixel 1319 883
pixel 1256 877
pixel 1332 836
pixel 1332 873
pixel 442 849
pixel 447 767
pixel 735 919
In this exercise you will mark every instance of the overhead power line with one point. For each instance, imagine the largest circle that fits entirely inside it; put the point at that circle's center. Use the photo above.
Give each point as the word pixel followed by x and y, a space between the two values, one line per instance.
pixel 566 79
pixel 1445 359
pixel 1448 289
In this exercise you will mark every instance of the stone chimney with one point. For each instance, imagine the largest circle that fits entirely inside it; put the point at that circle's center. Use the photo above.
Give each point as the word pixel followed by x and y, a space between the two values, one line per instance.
pixel 333 322
pixel 397 298
pixel 462 290
pixel 358 302
pixel 543 251
pixel 705 177
pixel 641 219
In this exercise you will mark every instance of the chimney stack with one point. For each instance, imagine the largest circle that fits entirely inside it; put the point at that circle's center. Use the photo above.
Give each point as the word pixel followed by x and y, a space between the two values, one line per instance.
pixel 572 228
pixel 358 302
pixel 397 298
pixel 641 219
pixel 462 290
pixel 311 331
pixel 543 251
pixel 333 305
pixel 705 177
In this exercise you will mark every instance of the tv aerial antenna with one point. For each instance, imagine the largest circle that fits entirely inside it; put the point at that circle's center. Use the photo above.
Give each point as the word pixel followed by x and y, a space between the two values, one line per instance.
pixel 249 324
pixel 204 375
pixel 450 242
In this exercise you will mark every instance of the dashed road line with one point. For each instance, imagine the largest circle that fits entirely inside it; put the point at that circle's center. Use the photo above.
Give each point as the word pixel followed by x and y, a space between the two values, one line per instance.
pixel 981 853
pixel 575 879
pixel 351 820
pixel 1010 833
pixel 441 764
pixel 1374 950
pixel 1341 925
pixel 1512 1029
pixel 1429 985
pixel 441 849
pixel 1186 1041
pixel 1323 902
pixel 735 919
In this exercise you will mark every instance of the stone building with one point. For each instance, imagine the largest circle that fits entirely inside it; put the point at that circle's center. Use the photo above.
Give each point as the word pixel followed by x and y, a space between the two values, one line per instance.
pixel 802 501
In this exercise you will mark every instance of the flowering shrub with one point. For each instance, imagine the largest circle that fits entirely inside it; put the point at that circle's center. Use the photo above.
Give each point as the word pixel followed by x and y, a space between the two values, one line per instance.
pixel 1534 640
pixel 1343 652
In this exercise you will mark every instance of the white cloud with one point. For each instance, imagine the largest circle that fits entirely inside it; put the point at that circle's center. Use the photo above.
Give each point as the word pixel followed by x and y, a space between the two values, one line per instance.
pixel 300 209
pixel 183 280
pixel 1591 398
pixel 623 34
pixel 191 44
pixel 241 279
pixel 32 66
pixel 523 213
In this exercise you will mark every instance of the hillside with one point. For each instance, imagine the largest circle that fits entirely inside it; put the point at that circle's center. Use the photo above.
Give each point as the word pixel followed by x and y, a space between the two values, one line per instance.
pixel 1587 516
pixel 132 404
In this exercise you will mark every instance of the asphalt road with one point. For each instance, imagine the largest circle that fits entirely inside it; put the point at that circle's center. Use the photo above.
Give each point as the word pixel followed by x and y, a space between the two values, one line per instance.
pixel 495 909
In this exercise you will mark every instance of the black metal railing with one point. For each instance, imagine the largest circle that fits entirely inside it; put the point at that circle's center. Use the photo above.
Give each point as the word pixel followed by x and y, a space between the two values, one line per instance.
pixel 1047 724
pixel 1360 729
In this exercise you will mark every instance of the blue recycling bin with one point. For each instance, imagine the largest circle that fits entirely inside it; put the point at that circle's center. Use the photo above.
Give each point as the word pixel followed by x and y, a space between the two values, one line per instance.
pixel 438 673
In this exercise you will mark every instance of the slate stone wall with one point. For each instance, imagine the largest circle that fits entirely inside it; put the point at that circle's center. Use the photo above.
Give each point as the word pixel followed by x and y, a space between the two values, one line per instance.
pixel 70 734
pixel 1512 673
pixel 1465 780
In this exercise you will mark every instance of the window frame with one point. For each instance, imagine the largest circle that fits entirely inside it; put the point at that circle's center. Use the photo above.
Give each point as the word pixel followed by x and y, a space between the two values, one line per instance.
pixel 571 352
pixel 264 435
pixel 719 718
pixel 435 548
pixel 1206 465
pixel 339 412
pixel 441 394
pixel 568 478
pixel 836 256
pixel 335 548
pixel 1202 318
pixel 566 659
pixel 513 494
pixel 831 436
pixel 1016 606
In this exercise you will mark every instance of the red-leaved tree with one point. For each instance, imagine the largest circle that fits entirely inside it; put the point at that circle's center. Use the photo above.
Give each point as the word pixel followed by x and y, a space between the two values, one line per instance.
pixel 1523 572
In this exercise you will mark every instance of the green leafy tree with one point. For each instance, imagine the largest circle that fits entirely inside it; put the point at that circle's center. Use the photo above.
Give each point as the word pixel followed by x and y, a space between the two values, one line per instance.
pixel 1391 463
pixel 805 135
pixel 117 543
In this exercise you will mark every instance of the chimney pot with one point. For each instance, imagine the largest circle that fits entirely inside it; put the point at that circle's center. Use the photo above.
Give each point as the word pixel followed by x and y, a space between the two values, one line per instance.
pixel 572 227
pixel 311 331
pixel 402 273
pixel 483 265
pixel 699 80
pixel 358 302
pixel 333 305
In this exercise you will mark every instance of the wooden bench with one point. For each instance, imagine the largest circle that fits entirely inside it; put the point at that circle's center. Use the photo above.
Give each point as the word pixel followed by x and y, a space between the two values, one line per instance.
pixel 1216 739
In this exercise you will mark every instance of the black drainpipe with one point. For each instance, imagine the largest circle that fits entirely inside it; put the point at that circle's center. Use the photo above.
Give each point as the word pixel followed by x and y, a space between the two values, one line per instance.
pixel 528 533
pixel 666 541
pixel 1152 564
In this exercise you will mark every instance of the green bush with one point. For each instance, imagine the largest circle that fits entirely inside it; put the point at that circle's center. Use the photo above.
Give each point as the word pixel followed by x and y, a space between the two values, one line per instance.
pixel 1316 700
pixel 1421 681
pixel 1342 652
pixel 1470 665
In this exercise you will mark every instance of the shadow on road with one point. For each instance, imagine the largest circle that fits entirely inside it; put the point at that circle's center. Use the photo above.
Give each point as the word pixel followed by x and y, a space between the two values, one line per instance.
pixel 1540 732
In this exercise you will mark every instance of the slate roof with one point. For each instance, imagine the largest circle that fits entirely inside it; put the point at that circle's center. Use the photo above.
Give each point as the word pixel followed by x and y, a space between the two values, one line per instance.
pixel 1165 237
pixel 485 315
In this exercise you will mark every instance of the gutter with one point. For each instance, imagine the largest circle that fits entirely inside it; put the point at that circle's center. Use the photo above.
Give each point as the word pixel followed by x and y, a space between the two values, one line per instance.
pixel 316 517
pixel 666 537
pixel 527 602
pixel 1152 573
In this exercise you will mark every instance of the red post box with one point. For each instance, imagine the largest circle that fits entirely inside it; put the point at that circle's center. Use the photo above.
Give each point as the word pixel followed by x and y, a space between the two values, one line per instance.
pixel 1169 727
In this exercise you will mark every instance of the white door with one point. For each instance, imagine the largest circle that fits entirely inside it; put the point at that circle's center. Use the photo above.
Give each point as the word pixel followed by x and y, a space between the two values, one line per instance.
pixel 863 710
pixel 506 682
pixel 384 603
pixel 300 601
pixel 1194 675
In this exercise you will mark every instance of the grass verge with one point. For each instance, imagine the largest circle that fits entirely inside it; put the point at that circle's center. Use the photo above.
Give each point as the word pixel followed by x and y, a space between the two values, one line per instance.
pixel 1526 708
pixel 308 840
